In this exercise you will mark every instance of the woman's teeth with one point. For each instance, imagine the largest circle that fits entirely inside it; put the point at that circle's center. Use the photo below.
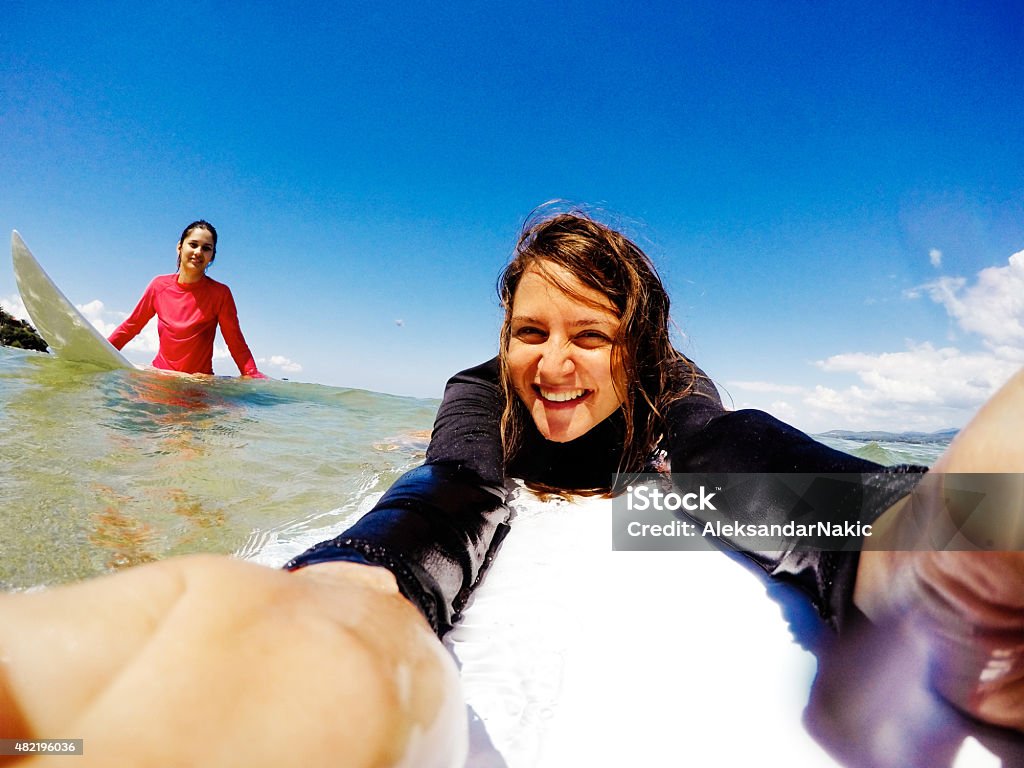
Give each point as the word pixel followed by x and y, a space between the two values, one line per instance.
pixel 562 397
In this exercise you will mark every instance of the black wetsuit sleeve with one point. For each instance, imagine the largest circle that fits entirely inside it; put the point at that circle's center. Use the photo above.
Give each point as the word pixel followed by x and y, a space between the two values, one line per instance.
pixel 467 429
pixel 754 442
pixel 439 525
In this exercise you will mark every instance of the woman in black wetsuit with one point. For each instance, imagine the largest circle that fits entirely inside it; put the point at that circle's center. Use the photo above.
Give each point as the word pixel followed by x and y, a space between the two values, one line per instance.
pixel 587 385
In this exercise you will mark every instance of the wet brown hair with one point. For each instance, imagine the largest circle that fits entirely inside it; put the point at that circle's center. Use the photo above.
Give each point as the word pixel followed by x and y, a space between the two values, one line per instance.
pixel 648 371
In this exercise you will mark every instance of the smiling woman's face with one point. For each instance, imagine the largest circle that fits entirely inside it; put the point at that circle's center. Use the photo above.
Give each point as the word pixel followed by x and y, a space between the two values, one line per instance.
pixel 195 253
pixel 560 354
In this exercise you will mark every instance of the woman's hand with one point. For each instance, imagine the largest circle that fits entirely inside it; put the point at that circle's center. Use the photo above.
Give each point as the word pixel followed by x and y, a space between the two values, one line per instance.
pixel 966 607
pixel 212 661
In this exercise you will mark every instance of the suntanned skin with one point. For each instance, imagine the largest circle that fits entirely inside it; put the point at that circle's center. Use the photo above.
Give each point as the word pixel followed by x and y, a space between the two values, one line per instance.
pixel 968 607
pixel 213 661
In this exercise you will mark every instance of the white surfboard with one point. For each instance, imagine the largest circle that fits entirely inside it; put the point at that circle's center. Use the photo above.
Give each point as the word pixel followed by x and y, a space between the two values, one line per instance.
pixel 69 334
pixel 574 654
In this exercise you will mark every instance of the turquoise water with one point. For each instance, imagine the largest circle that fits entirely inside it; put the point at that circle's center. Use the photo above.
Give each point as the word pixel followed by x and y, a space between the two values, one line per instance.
pixel 100 470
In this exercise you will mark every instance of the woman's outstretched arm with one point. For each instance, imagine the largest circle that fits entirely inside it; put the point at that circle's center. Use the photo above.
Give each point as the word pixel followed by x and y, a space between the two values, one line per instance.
pixel 439 525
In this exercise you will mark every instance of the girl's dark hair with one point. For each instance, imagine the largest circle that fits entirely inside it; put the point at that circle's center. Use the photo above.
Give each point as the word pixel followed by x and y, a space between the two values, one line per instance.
pixel 648 371
pixel 201 224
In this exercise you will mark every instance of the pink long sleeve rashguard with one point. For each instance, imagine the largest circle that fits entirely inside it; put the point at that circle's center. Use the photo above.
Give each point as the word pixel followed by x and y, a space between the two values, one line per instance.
pixel 187 318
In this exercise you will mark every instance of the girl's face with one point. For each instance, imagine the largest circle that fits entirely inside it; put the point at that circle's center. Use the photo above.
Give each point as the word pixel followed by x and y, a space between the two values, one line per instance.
pixel 195 253
pixel 560 354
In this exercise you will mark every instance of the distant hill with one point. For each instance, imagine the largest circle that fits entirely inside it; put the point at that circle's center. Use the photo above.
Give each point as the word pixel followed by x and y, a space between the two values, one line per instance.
pixel 17 333
pixel 942 436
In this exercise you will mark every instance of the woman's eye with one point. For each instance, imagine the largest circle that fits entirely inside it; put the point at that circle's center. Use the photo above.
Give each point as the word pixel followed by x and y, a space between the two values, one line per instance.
pixel 592 339
pixel 529 334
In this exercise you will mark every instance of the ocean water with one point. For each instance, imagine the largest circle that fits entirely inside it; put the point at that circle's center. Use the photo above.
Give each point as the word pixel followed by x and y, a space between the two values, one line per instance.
pixel 102 470
pixel 105 469
pixel 888 453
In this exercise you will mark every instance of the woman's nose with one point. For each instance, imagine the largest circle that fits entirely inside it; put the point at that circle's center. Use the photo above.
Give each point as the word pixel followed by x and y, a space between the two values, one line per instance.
pixel 556 359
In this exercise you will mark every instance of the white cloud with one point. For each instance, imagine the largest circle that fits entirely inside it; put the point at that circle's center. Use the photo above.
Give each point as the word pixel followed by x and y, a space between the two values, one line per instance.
pixel 935 257
pixel 922 386
pixel 15 307
pixel 280 363
pixel 993 307
pixel 96 314
pixel 924 374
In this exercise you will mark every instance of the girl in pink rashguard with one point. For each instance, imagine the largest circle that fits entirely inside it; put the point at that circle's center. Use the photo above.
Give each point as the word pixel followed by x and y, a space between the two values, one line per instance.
pixel 189 305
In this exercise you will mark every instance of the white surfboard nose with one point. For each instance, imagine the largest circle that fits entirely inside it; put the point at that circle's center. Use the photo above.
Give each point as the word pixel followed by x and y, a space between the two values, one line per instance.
pixel 69 334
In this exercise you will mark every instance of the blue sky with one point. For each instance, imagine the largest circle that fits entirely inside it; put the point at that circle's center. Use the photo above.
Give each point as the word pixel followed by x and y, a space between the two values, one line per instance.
pixel 834 193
